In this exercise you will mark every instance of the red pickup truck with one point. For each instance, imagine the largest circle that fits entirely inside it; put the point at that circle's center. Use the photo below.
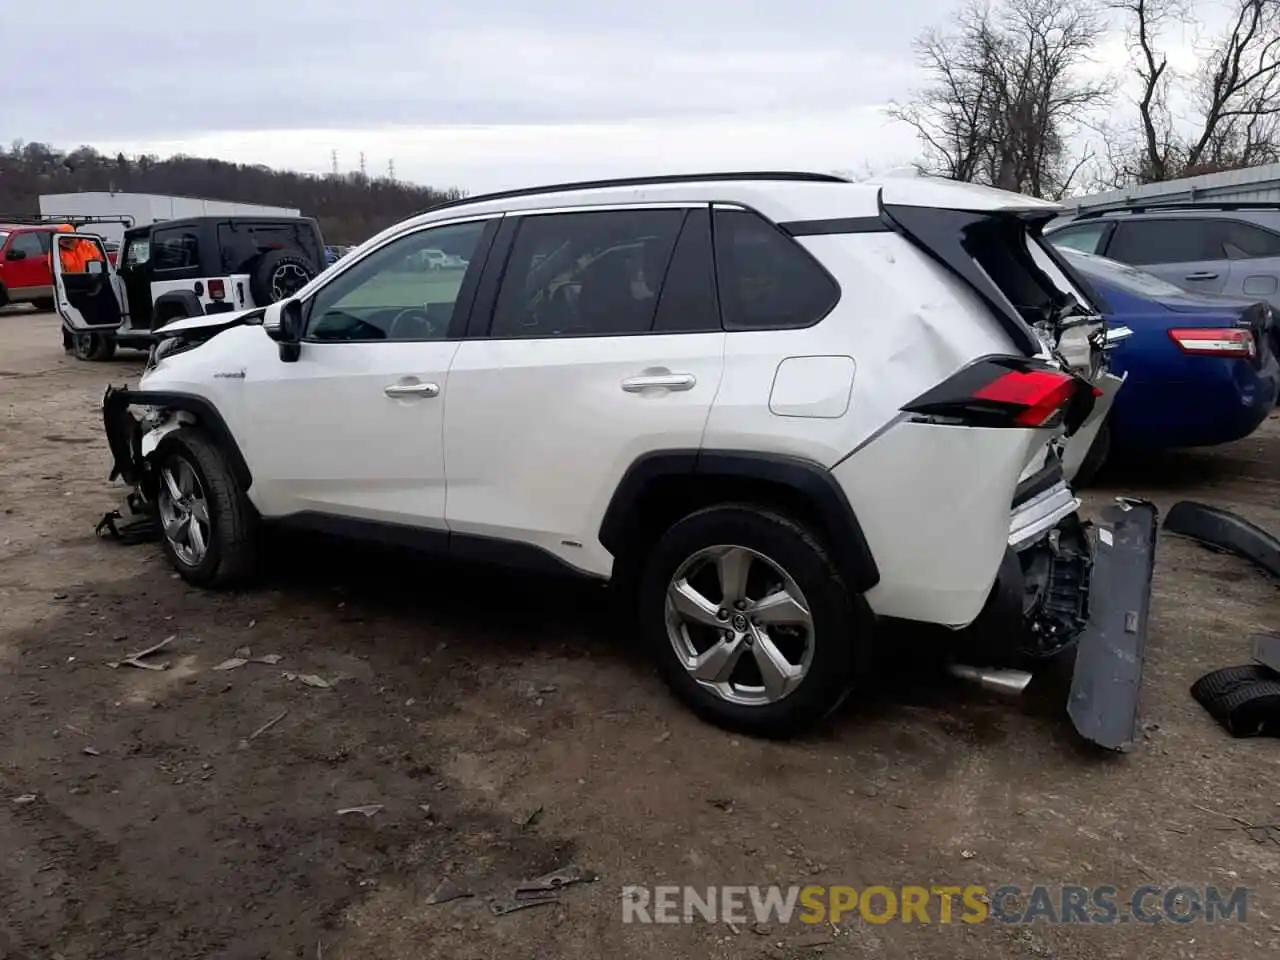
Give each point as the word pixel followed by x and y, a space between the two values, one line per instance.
pixel 25 273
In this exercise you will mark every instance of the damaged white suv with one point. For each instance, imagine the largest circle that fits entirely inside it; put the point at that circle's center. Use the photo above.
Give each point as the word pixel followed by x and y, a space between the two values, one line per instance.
pixel 785 410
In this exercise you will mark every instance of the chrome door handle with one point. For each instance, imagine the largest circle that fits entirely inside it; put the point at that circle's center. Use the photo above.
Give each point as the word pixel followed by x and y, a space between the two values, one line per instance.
pixel 412 390
pixel 668 381
pixel 1202 275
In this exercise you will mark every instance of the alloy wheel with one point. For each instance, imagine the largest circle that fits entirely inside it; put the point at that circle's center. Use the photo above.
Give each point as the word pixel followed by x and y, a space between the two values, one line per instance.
pixel 739 625
pixel 184 512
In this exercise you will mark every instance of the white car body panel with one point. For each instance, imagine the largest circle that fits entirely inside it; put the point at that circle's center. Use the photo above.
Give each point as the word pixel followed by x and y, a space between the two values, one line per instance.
pixel 526 440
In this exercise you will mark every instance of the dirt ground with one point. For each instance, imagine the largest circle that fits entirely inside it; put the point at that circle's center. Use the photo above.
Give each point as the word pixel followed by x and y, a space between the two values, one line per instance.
pixel 507 729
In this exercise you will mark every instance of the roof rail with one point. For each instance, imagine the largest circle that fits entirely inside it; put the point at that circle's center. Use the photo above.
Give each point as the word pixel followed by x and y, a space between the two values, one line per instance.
pixel 74 219
pixel 787 175
pixel 1156 206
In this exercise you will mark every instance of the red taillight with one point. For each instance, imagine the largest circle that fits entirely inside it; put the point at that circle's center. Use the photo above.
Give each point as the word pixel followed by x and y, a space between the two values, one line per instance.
pixel 217 290
pixel 1040 394
pixel 1008 392
pixel 1218 342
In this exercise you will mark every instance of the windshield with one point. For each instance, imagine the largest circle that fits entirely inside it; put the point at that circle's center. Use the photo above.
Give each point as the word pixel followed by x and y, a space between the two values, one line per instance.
pixel 1127 278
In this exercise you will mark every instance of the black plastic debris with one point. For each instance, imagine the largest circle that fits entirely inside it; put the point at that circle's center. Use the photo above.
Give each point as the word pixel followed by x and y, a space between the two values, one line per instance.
pixel 132 523
pixel 1224 530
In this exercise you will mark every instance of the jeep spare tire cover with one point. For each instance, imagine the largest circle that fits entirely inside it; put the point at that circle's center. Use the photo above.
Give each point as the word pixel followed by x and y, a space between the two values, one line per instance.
pixel 279 274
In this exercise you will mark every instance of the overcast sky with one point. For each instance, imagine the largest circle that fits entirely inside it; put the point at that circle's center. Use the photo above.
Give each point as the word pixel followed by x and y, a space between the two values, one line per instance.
pixel 479 94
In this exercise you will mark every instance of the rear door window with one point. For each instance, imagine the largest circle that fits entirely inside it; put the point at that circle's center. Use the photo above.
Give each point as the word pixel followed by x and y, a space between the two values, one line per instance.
pixel 1164 241
pixel 767 281
pixel 589 274
pixel 175 249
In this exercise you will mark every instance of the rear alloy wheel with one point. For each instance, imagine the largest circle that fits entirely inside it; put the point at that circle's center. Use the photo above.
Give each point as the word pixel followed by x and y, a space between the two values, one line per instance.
pixel 750 621
pixel 92 347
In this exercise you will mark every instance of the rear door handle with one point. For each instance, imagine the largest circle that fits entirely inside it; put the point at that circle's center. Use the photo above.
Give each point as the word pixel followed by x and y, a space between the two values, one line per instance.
pixel 1202 275
pixel 412 390
pixel 668 381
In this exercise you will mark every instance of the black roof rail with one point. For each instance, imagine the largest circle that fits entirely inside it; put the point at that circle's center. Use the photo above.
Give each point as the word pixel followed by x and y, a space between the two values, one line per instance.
pixel 779 175
pixel 73 219
pixel 1157 206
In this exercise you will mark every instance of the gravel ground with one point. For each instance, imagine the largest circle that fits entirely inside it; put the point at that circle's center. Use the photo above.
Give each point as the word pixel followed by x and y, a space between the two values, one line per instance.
pixel 507 728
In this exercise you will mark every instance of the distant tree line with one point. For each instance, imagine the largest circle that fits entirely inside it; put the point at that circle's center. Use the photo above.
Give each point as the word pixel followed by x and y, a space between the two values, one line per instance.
pixel 350 207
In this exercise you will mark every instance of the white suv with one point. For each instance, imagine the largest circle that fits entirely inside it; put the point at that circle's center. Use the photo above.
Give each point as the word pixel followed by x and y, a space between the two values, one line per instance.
pixel 785 410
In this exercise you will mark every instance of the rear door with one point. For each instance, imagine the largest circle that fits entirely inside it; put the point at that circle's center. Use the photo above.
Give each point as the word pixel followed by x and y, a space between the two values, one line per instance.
pixel 1186 251
pixel 1254 253
pixel 87 292
pixel 599 342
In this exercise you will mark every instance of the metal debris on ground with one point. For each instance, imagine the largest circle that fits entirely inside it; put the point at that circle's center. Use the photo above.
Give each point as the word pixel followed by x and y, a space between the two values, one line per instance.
pixel 93 751
pixel 135 659
pixel 231 664
pixel 25 799
pixel 310 679
pixel 368 809
pixel 538 891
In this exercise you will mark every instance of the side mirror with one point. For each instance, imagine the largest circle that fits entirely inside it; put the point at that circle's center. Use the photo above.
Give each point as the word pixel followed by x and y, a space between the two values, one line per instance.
pixel 16 255
pixel 282 322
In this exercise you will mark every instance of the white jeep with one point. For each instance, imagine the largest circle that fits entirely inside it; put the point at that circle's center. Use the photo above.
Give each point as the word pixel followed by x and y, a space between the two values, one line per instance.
pixel 787 411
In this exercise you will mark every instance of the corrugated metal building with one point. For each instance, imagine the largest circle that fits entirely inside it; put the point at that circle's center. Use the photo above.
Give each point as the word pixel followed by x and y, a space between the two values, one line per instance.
pixel 1256 184
pixel 146 208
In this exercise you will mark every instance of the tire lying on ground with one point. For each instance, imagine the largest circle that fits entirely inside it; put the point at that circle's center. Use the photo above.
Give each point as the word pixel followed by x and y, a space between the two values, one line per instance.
pixel 279 274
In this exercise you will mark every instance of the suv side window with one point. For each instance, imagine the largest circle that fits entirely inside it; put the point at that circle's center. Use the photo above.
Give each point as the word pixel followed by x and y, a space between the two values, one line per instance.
pixel 688 302
pixel 1087 238
pixel 592 274
pixel 1163 241
pixel 1243 241
pixel 28 243
pixel 137 251
pixel 767 280
pixel 395 293
pixel 177 249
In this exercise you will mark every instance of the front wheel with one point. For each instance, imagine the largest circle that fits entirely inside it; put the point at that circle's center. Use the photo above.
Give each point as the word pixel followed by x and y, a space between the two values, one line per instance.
pixel 208 526
pixel 750 621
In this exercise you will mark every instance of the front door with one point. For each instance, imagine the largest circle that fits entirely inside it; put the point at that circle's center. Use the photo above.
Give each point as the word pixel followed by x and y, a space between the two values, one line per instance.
pixel 354 427
pixel 602 342
pixel 87 292
pixel 26 266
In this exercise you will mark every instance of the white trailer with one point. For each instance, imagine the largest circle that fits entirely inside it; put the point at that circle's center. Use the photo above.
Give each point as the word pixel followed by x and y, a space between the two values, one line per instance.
pixel 145 208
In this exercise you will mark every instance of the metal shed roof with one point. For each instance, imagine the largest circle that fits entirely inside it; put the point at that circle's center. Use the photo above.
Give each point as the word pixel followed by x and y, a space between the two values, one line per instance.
pixel 1255 184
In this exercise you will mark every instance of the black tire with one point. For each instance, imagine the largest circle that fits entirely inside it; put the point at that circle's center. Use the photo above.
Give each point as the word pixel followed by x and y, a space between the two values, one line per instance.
pixel 233 551
pixel 1094 460
pixel 278 274
pixel 92 347
pixel 1218 684
pixel 43 304
pixel 842 622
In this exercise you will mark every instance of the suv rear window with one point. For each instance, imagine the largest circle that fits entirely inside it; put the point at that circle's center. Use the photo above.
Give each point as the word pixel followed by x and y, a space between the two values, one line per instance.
pixel 767 280
pixel 241 242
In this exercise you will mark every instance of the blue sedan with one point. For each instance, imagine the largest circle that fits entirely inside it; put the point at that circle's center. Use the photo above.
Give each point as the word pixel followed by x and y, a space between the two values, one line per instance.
pixel 1202 369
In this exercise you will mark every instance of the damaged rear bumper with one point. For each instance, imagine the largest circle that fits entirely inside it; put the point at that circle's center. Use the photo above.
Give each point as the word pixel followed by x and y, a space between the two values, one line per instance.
pixel 1106 682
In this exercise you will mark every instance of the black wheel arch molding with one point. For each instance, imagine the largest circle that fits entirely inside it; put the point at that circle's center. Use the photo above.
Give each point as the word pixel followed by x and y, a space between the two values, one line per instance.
pixel 802 479
pixel 124 432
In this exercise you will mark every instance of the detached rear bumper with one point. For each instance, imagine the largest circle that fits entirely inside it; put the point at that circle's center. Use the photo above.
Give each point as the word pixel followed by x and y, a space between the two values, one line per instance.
pixel 1106 684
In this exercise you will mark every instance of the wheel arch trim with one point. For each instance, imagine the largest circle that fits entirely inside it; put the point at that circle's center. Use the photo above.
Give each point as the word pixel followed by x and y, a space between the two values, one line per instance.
pixel 816 485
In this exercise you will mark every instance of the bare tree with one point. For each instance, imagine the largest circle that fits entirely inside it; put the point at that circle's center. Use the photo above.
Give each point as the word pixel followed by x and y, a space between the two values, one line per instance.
pixel 1233 118
pixel 1007 95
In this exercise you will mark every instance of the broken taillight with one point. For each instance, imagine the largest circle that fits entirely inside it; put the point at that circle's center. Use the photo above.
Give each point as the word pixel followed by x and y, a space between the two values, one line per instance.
pixel 1216 342
pixel 1007 392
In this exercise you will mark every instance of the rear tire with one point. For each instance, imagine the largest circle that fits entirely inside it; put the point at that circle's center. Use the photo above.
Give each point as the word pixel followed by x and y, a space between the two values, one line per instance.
pixel 92 347
pixel 43 304
pixel 819 661
pixel 208 528
pixel 279 274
